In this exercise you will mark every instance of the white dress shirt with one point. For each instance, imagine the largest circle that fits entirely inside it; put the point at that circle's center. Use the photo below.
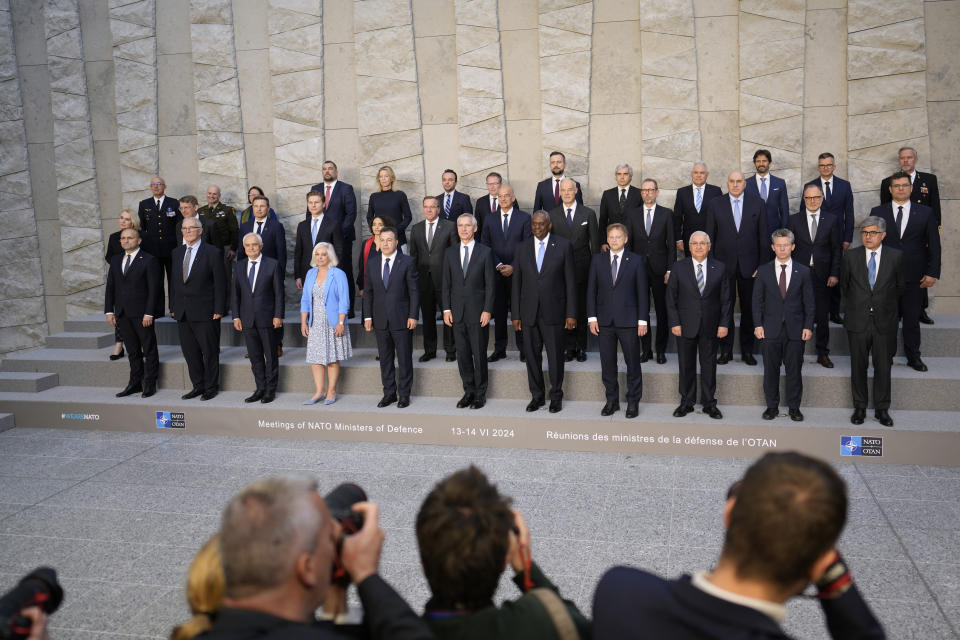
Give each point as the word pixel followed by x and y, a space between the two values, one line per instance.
pixel 906 215
pixel 777 612
pixel 776 272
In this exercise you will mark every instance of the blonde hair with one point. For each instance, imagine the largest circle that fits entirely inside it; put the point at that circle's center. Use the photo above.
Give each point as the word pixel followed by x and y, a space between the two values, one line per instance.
pixel 389 172
pixel 134 220
pixel 205 589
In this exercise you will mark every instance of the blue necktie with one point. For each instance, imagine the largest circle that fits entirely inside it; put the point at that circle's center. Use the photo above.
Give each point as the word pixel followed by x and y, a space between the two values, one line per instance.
pixel 828 192
pixel 872 269
pixel 701 281
pixel 736 214
pixel 699 201
pixel 540 256
pixel 569 218
pixel 260 229
pixel 506 223
pixel 446 207
pixel 313 233
pixel 386 273
pixel 763 189
pixel 252 274
pixel 613 269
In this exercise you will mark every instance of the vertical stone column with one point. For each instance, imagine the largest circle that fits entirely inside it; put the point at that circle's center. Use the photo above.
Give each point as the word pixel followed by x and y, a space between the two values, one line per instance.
pixel 78 201
pixel 825 88
pixel 771 87
pixel 565 47
pixel 252 42
pixel 482 122
pixel 519 38
pixel 216 96
pixel 176 112
pixel 718 81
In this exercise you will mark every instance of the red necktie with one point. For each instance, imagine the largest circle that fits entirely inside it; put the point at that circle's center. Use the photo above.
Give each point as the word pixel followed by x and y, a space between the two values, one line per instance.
pixel 783 281
pixel 326 199
pixel 556 192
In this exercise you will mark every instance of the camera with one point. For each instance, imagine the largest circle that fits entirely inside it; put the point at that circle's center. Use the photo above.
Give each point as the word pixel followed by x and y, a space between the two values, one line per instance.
pixel 39 588
pixel 339 502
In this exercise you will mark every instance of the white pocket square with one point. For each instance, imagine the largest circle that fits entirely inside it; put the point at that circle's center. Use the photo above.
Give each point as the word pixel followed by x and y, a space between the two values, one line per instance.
pixel 583 223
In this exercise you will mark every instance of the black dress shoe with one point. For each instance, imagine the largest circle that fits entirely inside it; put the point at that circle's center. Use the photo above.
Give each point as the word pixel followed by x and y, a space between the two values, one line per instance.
pixel 917 365
pixel 770 413
pixel 924 318
pixel 661 359
pixel 403 402
pixel 714 413
pixel 795 415
pixel 682 410
pixel 427 357
pixel 255 396
pixel 610 408
pixel 478 402
pixel 749 359
pixel 129 390
pixel 268 397
pixel 883 417
pixel 581 356
pixel 149 390
pixel 633 410
pixel 824 361
pixel 117 356
pixel 535 404
pixel 556 406
pixel 645 356
pixel 569 356
pixel 858 416
pixel 496 355
pixel 451 357
pixel 465 401
pixel 723 358
pixel 386 401
pixel 209 395
pixel 835 318
pixel 193 393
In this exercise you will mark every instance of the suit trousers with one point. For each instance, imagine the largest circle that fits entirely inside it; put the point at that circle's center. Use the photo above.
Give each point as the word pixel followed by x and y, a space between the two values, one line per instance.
pixel 821 310
pixel 399 343
pixel 501 304
pixel 630 345
pixel 536 337
pixel 166 266
pixel 881 346
pixel 743 288
pixel 345 262
pixel 576 339
pixel 140 343
pixel 687 350
pixel 430 299
pixel 659 292
pixel 911 305
pixel 228 269
pixel 262 346
pixel 790 354
pixel 471 340
pixel 199 341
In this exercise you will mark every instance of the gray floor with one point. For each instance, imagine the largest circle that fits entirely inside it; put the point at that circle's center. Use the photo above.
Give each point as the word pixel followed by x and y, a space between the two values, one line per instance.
pixel 119 515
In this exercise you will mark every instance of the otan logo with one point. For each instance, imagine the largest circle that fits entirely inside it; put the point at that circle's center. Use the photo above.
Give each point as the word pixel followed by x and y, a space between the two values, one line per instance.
pixel 79 416
pixel 168 420
pixel 861 446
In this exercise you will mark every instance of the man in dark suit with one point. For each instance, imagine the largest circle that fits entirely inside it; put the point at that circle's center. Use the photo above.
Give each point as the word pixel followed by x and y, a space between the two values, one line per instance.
pixel 544 304
pixel 197 302
pixel 651 236
pixel 452 202
pixel 925 191
pixel 319 226
pixel 487 204
pixel 468 297
pixel 817 236
pixel 737 224
pixel 273 235
pixel 618 310
pixel 133 298
pixel 791 506
pixel 783 316
pixel 578 225
pixel 913 229
pixel 258 307
pixel 189 209
pixel 503 234
pixel 615 202
pixel 689 214
pixel 771 189
pixel 159 216
pixel 548 189
pixel 340 202
pixel 429 240
pixel 871 282
pixel 700 309
pixel 391 305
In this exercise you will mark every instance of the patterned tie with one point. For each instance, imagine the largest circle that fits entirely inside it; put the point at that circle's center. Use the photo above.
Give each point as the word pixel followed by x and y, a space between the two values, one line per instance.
pixel 872 269
pixel 186 263
pixel 313 232
pixel 540 256
pixel 900 221
pixel 466 259
pixel 446 207
pixel 736 214
pixel 623 199
pixel 556 191
pixel 649 221
pixel 701 281
pixel 430 235
pixel 126 264
pixel 386 273
pixel 569 218
pixel 613 269
pixel 763 189
pixel 493 205
pixel 506 223
pixel 699 201
pixel 260 229
pixel 783 281
pixel 326 199
pixel 828 194
pixel 252 274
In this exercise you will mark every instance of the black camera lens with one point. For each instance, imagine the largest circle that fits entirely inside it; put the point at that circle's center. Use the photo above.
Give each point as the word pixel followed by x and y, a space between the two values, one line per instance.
pixel 39 588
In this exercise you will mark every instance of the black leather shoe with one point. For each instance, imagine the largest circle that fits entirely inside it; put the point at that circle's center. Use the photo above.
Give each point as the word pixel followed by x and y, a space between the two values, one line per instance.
pixel 924 318
pixel 714 413
pixel 661 359
pixel 427 357
pixel 451 357
pixel 535 404
pixel 795 415
pixel 149 390
pixel 770 413
pixel 645 356
pixel 632 410
pixel 917 365
pixel 257 395
pixel 386 401
pixel 268 397
pixel 129 390
pixel 523 357
pixel 496 355
pixel 723 358
pixel 883 417
pixel 824 361
pixel 193 393
pixel 581 356
pixel 465 401
pixel 836 318
pixel 749 359
pixel 116 356
pixel 610 408
pixel 556 406
pixel 569 356
pixel 478 402
pixel 682 410
pixel 209 395
pixel 403 403
pixel 858 416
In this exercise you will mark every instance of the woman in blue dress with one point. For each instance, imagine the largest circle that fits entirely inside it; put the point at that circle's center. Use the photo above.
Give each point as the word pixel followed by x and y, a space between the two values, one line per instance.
pixel 323 314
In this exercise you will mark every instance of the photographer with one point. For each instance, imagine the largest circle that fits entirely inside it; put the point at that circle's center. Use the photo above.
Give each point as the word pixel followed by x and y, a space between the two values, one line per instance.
pixel 467 536
pixel 278 546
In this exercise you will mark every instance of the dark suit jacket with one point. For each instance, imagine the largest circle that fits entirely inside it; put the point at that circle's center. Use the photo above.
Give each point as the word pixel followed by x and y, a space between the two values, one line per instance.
pixel 584 236
pixel 686 219
pixel 158 227
pixel 857 297
pixel 481 210
pixel 205 291
pixel 544 197
pixel 114 248
pixel 429 260
pixel 693 313
pixel 920 242
pixel 468 297
pixel 343 205
pixel 504 246
pixel 770 310
pixel 548 295
pixel 460 203
pixel 839 205
pixel 744 249
pixel 610 208
pixel 925 191
pixel 257 307
pixel 208 231
pixel 137 293
pixel 274 240
pixel 826 248
pixel 330 231
pixel 659 248
pixel 391 306
pixel 777 205
pixel 623 303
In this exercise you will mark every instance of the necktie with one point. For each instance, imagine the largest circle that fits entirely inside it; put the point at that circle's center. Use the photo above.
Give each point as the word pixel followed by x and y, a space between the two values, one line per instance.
pixel 313 233
pixel 186 263
pixel 326 199
pixel 386 273
pixel 763 189
pixel 540 256
pixel 649 221
pixel 252 274
pixel 783 281
pixel 446 207
pixel 813 226
pixel 699 200
pixel 900 220
pixel 259 228
pixel 613 269
pixel 430 235
pixel 828 194
pixel 126 264
pixel 506 223
pixel 556 191
pixel 493 205
pixel 466 259
pixel 872 269
pixel 701 282
pixel 158 204
pixel 736 214
pixel 569 218
pixel 623 199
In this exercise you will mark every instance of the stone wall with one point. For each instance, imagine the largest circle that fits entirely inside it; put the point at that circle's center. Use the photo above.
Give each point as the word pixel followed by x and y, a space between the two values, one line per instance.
pixel 96 96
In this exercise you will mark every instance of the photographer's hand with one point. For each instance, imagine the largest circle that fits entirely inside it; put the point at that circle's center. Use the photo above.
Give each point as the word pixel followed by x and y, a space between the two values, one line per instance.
pixel 519 543
pixel 38 630
pixel 360 553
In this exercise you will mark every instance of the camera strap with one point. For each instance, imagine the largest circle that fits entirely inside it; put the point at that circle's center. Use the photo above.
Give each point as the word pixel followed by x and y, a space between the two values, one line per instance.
pixel 557 610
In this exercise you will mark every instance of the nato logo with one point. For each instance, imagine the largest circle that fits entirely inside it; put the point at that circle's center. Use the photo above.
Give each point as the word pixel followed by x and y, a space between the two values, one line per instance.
pixel 168 420
pixel 861 446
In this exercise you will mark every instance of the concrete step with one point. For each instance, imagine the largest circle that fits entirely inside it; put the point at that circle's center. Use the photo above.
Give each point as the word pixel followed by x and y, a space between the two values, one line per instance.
pixel 27 381
pixel 81 340
pixel 7 422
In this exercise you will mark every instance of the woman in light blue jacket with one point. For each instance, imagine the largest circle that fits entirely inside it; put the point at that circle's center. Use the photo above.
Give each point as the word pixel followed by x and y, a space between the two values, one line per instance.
pixel 323 312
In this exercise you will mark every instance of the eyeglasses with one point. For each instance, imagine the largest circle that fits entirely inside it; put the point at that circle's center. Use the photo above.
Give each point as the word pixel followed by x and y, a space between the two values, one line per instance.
pixel 872 233
pixel 812 197
pixel 824 166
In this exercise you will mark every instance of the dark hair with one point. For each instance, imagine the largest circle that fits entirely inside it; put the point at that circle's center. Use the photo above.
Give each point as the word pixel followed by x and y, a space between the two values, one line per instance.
pixel 314 192
pixel 329 162
pixel 789 511
pixel 389 229
pixel 455 176
pixel 558 153
pixel 898 175
pixel 762 152
pixel 825 155
pixel 655 185
pixel 189 200
pixel 259 190
pixel 265 198
pixel 434 198
pixel 463 530
pixel 495 175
